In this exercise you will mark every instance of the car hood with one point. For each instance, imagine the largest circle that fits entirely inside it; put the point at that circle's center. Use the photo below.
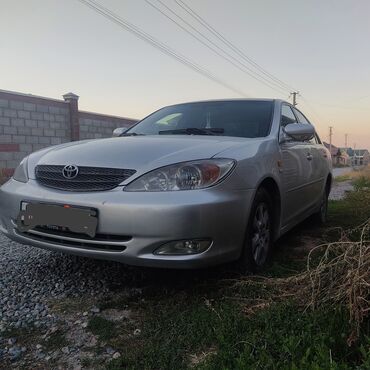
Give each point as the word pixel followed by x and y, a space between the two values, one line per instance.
pixel 141 153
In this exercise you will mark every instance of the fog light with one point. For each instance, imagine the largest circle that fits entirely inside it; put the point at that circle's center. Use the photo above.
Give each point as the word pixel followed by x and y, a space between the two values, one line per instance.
pixel 192 246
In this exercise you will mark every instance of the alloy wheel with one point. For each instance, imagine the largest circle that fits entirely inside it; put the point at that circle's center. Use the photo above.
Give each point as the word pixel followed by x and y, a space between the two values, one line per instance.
pixel 261 234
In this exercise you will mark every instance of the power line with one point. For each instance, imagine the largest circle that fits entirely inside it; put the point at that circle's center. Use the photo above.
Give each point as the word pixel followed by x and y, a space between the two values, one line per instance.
pixel 222 38
pixel 351 101
pixel 228 43
pixel 216 48
pixel 156 43
pixel 342 106
pixel 312 109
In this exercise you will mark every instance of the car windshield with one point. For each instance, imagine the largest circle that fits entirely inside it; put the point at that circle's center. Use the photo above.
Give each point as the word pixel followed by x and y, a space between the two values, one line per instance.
pixel 228 118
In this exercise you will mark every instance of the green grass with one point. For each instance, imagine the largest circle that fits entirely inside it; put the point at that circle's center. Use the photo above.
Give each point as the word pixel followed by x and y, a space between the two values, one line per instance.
pixel 31 336
pixel 70 305
pixel 117 301
pixel 101 327
pixel 360 178
pixel 279 337
pixel 24 336
pixel 361 183
pixel 342 178
pixel 56 340
pixel 351 211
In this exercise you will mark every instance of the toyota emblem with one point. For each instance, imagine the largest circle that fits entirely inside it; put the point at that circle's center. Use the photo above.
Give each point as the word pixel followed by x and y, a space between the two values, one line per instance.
pixel 70 171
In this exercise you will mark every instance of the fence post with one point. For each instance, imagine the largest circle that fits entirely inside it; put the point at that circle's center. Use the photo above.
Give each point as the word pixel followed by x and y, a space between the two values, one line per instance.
pixel 72 100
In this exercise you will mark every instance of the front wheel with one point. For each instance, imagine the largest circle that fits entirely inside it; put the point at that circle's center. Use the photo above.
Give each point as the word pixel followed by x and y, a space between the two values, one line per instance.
pixel 322 215
pixel 259 235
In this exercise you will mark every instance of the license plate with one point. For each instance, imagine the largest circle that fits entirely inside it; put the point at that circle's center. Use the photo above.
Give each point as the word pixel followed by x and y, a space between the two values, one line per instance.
pixel 58 217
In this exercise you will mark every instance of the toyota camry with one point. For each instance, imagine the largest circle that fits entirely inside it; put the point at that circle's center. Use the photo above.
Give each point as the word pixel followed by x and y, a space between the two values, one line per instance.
pixel 189 186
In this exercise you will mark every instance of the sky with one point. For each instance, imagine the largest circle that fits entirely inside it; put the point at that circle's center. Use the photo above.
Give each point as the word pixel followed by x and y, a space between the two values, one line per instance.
pixel 321 48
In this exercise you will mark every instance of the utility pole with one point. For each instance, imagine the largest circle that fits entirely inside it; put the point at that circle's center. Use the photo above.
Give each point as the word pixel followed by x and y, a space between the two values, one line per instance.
pixel 330 137
pixel 345 140
pixel 294 94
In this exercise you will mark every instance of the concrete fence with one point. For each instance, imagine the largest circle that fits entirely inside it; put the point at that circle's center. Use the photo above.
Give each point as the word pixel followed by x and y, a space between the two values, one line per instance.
pixel 29 123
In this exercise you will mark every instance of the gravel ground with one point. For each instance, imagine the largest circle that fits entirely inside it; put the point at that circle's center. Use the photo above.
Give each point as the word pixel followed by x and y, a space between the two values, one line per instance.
pixel 339 190
pixel 31 278
pixel 339 171
pixel 53 293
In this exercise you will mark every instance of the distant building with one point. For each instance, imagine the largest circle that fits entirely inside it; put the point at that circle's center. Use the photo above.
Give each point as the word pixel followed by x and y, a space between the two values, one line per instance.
pixel 340 157
pixel 343 157
pixel 349 156
pixel 361 157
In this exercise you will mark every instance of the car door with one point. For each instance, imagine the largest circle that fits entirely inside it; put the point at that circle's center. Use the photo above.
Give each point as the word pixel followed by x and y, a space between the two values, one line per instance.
pixel 296 172
pixel 319 163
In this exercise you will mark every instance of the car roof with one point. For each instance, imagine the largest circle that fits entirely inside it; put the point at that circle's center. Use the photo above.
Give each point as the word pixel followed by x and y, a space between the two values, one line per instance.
pixel 229 100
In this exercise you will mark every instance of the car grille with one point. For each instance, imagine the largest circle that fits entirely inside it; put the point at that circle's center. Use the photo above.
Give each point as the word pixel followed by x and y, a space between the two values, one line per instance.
pixel 87 179
pixel 102 242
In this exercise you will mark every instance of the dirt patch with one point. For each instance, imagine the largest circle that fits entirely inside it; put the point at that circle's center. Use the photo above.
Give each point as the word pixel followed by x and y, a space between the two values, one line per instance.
pixel 340 189
pixel 113 314
pixel 197 359
pixel 305 245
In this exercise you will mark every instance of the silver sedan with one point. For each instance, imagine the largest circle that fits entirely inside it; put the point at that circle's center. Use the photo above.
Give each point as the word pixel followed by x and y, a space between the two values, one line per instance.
pixel 189 186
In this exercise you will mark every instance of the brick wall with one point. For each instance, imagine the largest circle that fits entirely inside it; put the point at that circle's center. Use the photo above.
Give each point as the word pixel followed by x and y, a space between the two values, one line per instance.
pixel 29 123
pixel 95 126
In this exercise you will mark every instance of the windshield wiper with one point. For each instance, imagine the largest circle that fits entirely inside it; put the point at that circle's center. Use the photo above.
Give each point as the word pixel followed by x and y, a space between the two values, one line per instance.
pixel 193 131
pixel 131 134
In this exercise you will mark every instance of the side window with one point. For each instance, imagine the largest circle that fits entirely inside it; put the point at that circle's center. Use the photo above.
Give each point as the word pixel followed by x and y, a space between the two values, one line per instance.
pixel 314 140
pixel 301 117
pixel 287 115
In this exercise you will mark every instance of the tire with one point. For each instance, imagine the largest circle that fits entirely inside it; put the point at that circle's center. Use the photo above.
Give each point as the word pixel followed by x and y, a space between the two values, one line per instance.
pixel 259 234
pixel 321 216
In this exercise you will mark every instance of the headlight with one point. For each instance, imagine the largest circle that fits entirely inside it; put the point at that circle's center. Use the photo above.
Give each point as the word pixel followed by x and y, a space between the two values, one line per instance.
pixel 183 176
pixel 21 172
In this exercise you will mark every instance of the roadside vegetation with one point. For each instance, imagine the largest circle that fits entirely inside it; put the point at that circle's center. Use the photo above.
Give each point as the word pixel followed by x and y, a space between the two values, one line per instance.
pixel 360 177
pixel 308 312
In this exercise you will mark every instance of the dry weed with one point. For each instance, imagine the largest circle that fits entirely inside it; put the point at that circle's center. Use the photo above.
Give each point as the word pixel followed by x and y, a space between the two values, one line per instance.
pixel 337 273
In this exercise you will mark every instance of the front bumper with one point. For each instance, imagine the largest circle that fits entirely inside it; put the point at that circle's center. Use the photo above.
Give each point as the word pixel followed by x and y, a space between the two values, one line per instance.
pixel 145 221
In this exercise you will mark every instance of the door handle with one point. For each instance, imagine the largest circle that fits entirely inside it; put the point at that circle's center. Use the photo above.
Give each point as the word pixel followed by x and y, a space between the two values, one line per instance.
pixel 309 157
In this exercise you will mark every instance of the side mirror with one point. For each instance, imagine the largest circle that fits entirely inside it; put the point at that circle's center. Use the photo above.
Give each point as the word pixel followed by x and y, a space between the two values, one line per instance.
pixel 299 131
pixel 119 131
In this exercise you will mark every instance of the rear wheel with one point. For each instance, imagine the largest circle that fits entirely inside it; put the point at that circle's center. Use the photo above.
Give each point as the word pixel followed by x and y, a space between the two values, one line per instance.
pixel 259 235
